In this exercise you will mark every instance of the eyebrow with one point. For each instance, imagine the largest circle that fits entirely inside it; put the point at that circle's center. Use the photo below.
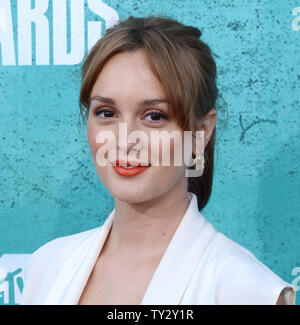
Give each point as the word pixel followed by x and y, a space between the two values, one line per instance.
pixel 143 103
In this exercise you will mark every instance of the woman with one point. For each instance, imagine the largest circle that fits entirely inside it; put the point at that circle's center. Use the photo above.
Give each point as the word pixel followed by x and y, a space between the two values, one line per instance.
pixel 152 74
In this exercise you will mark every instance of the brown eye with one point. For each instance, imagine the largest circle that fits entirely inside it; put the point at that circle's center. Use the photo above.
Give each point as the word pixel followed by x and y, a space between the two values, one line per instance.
pixel 156 117
pixel 107 113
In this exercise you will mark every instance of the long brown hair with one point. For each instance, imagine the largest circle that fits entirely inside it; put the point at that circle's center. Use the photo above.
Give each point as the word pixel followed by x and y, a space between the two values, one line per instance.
pixel 182 63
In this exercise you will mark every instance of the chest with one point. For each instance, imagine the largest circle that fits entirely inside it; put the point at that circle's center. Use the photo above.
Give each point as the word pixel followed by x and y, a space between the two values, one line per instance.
pixel 118 281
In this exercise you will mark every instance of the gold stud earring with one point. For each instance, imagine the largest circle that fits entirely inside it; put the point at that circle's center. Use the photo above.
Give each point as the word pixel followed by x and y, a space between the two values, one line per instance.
pixel 199 162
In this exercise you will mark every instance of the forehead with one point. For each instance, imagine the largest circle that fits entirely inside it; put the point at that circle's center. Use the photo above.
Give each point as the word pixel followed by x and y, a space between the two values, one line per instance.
pixel 127 74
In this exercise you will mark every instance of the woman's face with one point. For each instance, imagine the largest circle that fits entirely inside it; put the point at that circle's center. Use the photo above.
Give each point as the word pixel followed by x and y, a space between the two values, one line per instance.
pixel 125 81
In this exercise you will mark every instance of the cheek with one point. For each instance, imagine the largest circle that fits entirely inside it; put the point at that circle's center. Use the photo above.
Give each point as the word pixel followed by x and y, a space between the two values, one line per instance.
pixel 172 150
pixel 92 131
pixel 100 150
pixel 170 173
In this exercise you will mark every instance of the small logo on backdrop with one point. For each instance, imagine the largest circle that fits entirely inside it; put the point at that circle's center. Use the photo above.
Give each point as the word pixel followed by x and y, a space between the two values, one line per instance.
pixel 296 21
pixel 11 278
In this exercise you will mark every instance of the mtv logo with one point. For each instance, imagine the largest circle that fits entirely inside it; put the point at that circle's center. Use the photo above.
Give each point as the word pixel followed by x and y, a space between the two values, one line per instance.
pixel 11 278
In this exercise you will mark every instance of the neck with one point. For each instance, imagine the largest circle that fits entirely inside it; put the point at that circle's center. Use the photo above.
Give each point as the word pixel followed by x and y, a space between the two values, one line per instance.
pixel 146 228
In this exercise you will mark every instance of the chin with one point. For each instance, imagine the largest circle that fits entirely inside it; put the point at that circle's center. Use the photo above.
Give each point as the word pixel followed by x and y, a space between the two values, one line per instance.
pixel 129 194
pixel 128 189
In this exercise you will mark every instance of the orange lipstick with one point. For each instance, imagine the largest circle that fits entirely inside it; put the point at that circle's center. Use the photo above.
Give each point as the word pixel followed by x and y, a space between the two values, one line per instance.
pixel 130 171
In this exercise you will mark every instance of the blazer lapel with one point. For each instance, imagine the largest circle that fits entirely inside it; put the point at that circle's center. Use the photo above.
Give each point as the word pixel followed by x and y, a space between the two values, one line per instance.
pixel 171 276
pixel 180 259
pixel 73 277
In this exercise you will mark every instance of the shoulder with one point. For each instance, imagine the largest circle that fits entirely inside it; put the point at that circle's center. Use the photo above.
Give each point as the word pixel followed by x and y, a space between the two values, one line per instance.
pixel 62 245
pixel 242 279
pixel 45 263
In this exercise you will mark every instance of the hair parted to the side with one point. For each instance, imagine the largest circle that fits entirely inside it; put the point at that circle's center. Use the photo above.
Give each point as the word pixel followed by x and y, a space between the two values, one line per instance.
pixel 182 63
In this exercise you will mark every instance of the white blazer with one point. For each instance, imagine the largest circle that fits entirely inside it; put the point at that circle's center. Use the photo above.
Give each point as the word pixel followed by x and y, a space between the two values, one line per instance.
pixel 200 266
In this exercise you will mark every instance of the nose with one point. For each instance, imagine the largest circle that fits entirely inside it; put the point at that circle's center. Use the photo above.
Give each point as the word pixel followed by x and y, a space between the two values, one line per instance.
pixel 124 147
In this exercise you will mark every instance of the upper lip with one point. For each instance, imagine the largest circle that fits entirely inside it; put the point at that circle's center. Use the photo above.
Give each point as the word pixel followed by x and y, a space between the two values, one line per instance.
pixel 133 163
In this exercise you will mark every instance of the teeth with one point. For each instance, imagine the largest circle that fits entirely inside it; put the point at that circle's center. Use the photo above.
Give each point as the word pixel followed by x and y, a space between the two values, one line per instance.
pixel 125 166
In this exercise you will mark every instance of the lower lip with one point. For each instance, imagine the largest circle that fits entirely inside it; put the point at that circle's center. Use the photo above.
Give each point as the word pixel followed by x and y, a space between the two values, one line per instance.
pixel 130 171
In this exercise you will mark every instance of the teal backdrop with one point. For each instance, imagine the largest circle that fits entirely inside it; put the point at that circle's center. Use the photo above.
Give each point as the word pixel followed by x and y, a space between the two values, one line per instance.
pixel 48 184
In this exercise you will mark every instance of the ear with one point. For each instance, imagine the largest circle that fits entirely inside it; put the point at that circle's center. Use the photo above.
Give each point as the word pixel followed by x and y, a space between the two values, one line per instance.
pixel 207 124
